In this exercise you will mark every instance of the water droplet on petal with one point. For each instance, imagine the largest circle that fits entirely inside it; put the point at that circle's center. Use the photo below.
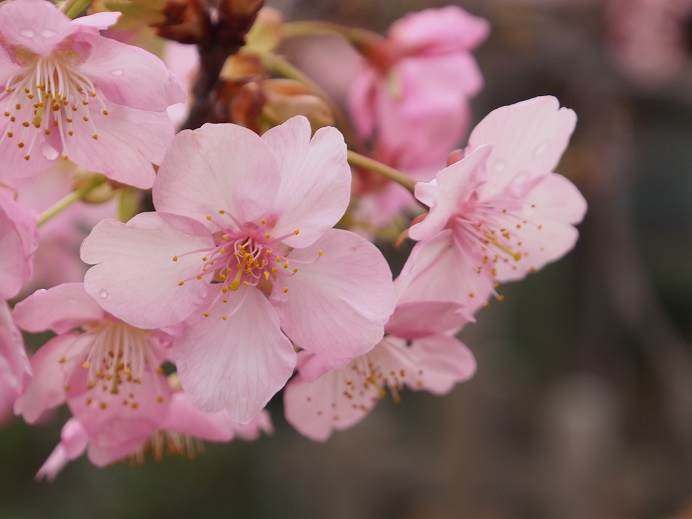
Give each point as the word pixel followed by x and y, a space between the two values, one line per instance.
pixel 27 33
pixel 117 72
pixel 540 149
pixel 47 33
pixel 49 152
pixel 103 294
pixel 500 166
pixel 41 291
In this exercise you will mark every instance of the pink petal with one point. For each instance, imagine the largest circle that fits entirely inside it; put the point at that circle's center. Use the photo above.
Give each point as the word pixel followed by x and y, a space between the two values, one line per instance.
pixel 318 408
pixel 236 364
pixel 420 319
pixel 18 242
pixel 361 101
pixel 556 198
pixel 186 419
pixel 34 25
pixel 99 21
pixel 60 309
pixel 73 443
pixel 135 277
pixel 253 430
pixel 315 179
pixel 8 68
pixel 53 365
pixel 217 167
pixel 445 194
pixel 527 138
pixel 437 31
pixel 439 270
pixel 442 362
pixel 128 142
pixel 14 364
pixel 348 286
pixel 130 76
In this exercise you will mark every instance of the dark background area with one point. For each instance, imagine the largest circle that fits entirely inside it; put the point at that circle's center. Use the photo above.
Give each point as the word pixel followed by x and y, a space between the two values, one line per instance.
pixel 582 405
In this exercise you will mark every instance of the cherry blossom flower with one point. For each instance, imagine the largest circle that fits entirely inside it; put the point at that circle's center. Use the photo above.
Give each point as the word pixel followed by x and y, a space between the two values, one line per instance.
pixel 14 364
pixel 18 242
pixel 419 352
pixel 181 433
pixel 421 77
pixel 107 371
pixel 73 93
pixel 242 249
pixel 500 212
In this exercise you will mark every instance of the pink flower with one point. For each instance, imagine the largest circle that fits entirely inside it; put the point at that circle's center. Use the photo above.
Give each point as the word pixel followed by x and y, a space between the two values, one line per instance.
pixel 107 371
pixel 181 433
pixel 183 62
pixel 14 364
pixel 71 92
pixel 419 352
pixel 18 242
pixel 421 77
pixel 500 212
pixel 242 249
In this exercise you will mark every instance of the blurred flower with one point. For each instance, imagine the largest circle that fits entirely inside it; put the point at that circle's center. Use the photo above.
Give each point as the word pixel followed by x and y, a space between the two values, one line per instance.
pixel 244 251
pixel 419 352
pixel 180 433
pixel 421 77
pixel 71 92
pixel 14 364
pixel 650 37
pixel 500 212
pixel 183 62
pixel 18 242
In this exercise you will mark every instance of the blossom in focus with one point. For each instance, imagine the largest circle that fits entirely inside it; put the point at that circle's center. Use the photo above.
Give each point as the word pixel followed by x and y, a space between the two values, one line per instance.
pixel 107 371
pixel 500 212
pixel 72 93
pixel 182 433
pixel 412 95
pixel 418 352
pixel 14 364
pixel 18 242
pixel 242 249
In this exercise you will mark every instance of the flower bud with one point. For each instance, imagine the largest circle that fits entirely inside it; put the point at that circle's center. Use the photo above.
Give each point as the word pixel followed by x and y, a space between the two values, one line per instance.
pixel 99 195
pixel 185 21
pixel 236 18
pixel 265 35
pixel 286 98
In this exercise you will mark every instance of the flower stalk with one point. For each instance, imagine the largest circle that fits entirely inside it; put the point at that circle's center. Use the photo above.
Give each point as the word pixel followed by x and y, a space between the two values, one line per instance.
pixel 361 161
pixel 73 8
pixel 69 200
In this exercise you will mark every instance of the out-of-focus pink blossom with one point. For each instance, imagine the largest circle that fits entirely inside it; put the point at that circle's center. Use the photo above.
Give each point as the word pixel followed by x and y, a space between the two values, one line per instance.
pixel 419 352
pixel 18 242
pixel 500 212
pixel 412 95
pixel 648 37
pixel 14 364
pixel 183 62
pixel 70 92
pixel 107 371
pixel 57 260
pixel 242 249
pixel 181 433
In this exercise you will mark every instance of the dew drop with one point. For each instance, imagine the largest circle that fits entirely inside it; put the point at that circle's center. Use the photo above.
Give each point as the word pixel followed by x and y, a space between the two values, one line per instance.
pixel 27 33
pixel 49 152
pixel 540 149
pixel 47 33
pixel 103 294
pixel 117 72
pixel 41 291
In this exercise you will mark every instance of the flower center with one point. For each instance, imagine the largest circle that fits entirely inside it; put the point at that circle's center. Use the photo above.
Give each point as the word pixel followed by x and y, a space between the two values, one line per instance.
pixel 119 360
pixel 49 100
pixel 246 255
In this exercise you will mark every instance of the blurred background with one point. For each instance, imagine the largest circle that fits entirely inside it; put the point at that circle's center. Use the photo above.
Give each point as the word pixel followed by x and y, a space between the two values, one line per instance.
pixel 582 404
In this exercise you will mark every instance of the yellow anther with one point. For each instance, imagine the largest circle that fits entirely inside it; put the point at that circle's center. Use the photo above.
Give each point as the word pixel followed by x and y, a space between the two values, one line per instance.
pixel 174 258
pixel 285 290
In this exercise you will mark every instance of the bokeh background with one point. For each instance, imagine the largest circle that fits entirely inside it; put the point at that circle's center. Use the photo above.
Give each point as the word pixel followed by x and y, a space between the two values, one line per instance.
pixel 582 405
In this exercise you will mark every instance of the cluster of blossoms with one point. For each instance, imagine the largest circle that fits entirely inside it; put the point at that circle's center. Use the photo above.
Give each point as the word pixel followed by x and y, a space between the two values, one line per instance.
pixel 243 274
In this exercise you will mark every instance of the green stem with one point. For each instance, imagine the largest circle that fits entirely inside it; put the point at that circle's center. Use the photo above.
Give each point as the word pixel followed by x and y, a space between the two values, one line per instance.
pixel 74 8
pixel 359 38
pixel 284 68
pixel 69 200
pixel 361 161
